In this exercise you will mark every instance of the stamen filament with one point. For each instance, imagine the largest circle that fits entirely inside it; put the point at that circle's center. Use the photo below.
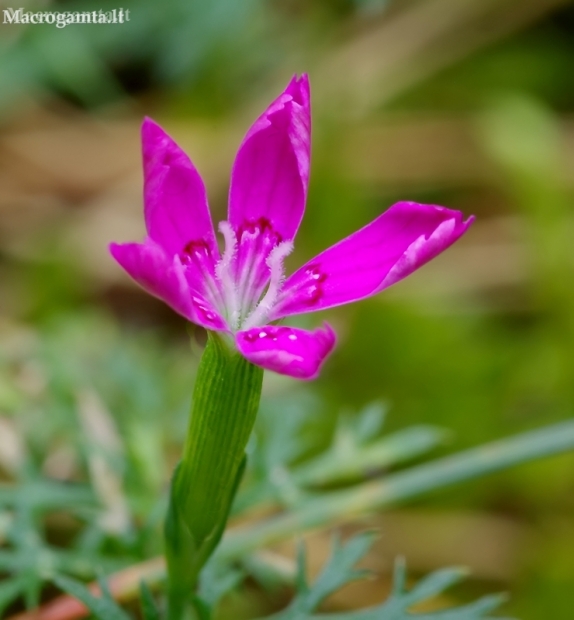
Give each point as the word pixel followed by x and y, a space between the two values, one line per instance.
pixel 249 295
pixel 225 277
pixel 275 263
pixel 246 276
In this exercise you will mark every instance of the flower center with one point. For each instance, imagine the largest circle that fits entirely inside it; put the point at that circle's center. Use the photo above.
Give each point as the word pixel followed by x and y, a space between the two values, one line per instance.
pixel 249 275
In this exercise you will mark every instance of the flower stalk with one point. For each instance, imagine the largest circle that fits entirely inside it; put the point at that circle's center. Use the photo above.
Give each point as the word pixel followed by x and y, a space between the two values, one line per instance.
pixel 239 296
pixel 225 403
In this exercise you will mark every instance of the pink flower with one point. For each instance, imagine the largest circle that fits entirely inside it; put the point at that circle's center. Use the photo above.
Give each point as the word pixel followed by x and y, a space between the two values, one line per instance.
pixel 243 291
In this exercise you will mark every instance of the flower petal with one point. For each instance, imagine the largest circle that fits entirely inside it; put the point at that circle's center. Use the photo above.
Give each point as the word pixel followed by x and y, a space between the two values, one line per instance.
pixel 385 251
pixel 287 350
pixel 176 209
pixel 271 172
pixel 165 277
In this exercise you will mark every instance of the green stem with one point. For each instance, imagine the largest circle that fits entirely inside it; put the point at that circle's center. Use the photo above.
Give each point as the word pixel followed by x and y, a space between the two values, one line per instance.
pixel 225 402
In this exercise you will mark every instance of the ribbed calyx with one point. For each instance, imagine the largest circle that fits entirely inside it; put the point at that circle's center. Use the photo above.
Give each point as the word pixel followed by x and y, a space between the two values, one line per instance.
pixel 225 403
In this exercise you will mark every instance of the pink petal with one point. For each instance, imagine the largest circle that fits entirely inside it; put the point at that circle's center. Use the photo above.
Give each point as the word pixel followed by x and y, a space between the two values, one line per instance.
pixel 166 278
pixel 385 251
pixel 271 172
pixel 287 350
pixel 176 209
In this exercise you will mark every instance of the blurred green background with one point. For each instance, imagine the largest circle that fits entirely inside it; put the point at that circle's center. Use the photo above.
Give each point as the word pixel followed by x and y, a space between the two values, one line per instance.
pixel 464 103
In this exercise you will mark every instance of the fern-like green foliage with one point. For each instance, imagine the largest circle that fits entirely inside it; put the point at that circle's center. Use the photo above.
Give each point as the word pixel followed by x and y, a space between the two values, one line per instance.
pixel 341 569
pixel 27 558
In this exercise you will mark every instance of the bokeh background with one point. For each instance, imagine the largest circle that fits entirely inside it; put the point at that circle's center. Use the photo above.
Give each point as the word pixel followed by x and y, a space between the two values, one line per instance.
pixel 463 103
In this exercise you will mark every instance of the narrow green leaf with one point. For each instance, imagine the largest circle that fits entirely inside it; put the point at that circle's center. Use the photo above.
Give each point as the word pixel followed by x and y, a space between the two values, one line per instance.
pixel 349 460
pixel 10 589
pixel 46 494
pixel 32 588
pixel 434 584
pixel 370 421
pixel 201 608
pixel 149 608
pixel 9 560
pixel 301 578
pixel 484 605
pixel 104 608
pixel 340 569
pixel 216 580
pixel 399 577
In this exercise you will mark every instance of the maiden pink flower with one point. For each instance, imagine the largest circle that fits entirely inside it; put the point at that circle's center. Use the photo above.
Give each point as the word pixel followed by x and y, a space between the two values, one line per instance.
pixel 243 291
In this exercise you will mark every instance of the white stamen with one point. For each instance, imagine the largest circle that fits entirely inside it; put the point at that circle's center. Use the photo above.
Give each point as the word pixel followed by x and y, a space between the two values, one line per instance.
pixel 248 271
pixel 224 275
pixel 275 264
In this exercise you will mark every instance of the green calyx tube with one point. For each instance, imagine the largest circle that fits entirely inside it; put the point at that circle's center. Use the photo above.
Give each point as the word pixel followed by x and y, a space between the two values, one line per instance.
pixel 225 403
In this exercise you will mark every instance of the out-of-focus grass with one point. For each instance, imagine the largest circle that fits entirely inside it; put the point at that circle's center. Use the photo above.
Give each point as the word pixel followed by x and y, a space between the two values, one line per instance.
pixel 412 101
